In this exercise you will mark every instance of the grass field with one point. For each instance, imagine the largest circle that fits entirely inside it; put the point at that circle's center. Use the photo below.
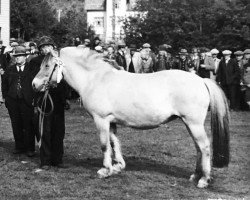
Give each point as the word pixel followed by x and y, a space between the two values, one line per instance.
pixel 159 163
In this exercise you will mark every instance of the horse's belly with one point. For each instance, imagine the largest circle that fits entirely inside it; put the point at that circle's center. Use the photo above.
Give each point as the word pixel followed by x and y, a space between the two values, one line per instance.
pixel 142 118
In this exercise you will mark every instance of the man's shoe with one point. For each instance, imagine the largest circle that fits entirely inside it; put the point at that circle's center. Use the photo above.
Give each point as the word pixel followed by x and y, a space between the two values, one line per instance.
pixel 18 151
pixel 62 166
pixel 45 167
pixel 31 153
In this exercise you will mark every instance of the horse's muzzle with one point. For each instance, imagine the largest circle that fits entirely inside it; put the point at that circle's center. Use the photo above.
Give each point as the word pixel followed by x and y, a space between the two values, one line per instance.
pixel 37 85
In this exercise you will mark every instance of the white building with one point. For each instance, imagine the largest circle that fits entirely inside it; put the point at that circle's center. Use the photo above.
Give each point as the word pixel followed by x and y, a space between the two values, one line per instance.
pixel 100 17
pixel 5 21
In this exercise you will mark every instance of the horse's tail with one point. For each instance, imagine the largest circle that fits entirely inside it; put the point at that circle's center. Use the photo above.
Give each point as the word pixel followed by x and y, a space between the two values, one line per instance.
pixel 219 124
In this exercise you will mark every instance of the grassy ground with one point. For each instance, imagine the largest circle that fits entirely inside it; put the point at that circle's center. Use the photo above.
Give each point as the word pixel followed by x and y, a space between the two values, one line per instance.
pixel 159 163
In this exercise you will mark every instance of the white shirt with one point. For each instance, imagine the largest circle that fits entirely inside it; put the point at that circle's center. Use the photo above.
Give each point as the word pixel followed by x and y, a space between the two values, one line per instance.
pixel 22 68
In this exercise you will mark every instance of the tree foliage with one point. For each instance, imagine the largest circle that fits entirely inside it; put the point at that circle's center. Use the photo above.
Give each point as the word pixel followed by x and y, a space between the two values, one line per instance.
pixel 31 19
pixel 189 23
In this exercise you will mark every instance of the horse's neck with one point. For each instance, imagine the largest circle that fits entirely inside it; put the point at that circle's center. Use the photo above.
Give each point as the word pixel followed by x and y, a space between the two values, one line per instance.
pixel 76 77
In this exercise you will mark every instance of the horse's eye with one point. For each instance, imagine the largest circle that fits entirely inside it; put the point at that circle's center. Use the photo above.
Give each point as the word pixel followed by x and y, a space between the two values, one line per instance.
pixel 47 66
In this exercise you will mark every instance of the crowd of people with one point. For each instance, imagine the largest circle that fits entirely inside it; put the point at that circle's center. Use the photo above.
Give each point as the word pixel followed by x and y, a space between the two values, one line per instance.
pixel 20 62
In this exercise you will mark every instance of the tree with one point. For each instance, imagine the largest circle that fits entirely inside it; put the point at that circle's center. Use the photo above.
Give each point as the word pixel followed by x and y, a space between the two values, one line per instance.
pixel 31 18
pixel 189 23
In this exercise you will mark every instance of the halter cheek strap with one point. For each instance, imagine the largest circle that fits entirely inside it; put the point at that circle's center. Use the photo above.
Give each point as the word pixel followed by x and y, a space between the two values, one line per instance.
pixel 59 64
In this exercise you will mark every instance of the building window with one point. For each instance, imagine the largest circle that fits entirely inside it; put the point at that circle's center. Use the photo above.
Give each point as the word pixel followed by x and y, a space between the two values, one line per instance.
pixel 117 4
pixel 99 22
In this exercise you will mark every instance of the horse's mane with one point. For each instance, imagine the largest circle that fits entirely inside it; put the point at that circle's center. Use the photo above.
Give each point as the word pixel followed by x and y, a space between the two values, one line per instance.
pixel 89 59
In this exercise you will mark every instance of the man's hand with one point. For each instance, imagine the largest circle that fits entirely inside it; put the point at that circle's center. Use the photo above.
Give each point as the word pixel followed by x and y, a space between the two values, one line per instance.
pixel 1 71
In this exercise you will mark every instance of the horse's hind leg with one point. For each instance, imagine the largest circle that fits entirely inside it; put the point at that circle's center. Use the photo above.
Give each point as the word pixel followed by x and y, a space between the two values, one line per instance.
pixel 117 167
pixel 104 128
pixel 203 165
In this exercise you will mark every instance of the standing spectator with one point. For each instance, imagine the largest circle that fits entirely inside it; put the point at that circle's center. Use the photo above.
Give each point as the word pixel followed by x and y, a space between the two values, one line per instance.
pixel 147 63
pixel 229 79
pixel 77 41
pixel 147 48
pixel 33 52
pixel 108 56
pixel 86 44
pixel 206 65
pixel 9 51
pixel 18 94
pixel 216 62
pixel 120 55
pixel 246 77
pixel 201 70
pixel 183 62
pixel 239 60
pixel 132 59
pixel 195 59
pixel 96 42
pixel 162 62
pixel 51 150
pixel 2 60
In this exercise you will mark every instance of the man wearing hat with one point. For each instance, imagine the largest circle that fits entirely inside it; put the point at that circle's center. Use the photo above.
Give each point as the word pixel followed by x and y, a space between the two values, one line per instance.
pixel 228 77
pixel 162 61
pixel 86 44
pixel 146 48
pixel 183 62
pixel 18 94
pixel 216 62
pixel 52 148
pixel 120 55
pixel 133 59
pixel 195 58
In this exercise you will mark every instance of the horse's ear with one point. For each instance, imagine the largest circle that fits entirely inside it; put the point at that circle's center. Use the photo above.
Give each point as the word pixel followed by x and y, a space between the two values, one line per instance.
pixel 54 53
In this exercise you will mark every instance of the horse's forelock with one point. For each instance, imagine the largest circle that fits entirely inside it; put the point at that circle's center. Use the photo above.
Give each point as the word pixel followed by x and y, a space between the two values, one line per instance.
pixel 47 59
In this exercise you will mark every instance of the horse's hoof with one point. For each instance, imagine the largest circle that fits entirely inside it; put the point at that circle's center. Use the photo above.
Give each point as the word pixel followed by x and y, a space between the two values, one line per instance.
pixel 103 173
pixel 117 168
pixel 202 183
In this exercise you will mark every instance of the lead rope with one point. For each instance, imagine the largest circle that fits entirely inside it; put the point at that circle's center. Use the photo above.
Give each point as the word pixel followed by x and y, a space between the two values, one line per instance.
pixel 42 109
pixel 42 113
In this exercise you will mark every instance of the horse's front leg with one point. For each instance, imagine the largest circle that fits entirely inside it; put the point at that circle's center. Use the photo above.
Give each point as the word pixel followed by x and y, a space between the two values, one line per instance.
pixel 120 163
pixel 104 129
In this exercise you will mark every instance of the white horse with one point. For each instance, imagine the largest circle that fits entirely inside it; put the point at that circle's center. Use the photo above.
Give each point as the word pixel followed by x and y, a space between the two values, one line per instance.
pixel 142 101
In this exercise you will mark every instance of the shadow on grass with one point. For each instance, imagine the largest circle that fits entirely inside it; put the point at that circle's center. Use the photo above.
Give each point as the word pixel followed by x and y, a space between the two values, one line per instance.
pixel 138 164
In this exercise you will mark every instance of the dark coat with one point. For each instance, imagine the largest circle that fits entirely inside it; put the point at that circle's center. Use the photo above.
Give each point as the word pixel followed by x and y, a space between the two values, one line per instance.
pixel 185 65
pixel 10 79
pixel 120 59
pixel 229 74
pixel 58 94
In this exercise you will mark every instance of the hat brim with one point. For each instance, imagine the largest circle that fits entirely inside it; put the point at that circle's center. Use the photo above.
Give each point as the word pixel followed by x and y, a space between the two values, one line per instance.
pixel 20 54
pixel 40 46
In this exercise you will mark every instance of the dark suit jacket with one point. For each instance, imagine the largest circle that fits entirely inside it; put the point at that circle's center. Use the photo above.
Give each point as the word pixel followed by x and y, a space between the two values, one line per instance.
pixel 228 74
pixel 9 87
pixel 183 65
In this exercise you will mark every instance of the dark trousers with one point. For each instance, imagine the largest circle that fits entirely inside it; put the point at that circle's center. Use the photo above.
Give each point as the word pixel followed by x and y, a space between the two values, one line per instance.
pixel 232 93
pixel 21 115
pixel 51 150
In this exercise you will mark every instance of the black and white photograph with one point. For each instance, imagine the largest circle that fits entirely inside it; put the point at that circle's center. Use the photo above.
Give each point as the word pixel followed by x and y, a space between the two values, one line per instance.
pixel 124 99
